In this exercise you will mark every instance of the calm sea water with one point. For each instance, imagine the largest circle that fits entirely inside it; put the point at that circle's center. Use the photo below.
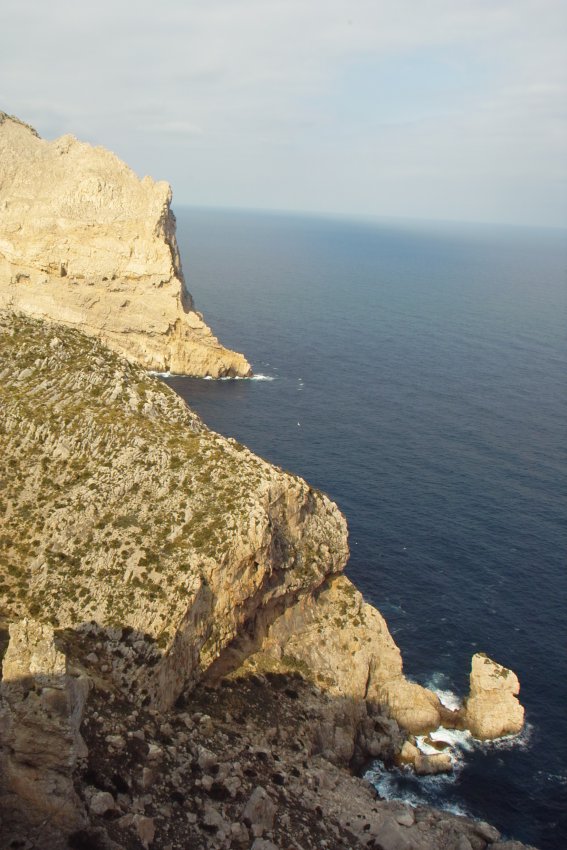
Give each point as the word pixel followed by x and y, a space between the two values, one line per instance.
pixel 418 378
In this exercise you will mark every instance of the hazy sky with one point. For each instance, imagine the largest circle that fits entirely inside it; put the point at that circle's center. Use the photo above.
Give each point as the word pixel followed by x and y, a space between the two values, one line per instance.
pixel 453 109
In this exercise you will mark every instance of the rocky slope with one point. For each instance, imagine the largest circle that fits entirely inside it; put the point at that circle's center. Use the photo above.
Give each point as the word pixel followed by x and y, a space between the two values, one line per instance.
pixel 164 555
pixel 257 763
pixel 85 242
pixel 119 506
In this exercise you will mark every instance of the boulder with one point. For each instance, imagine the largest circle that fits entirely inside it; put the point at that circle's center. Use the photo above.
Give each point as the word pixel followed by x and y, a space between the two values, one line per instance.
pixel 423 764
pixel 259 812
pixel 145 829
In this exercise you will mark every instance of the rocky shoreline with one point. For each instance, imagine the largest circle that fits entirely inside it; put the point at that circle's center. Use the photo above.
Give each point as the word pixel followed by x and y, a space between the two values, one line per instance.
pixel 258 761
pixel 184 663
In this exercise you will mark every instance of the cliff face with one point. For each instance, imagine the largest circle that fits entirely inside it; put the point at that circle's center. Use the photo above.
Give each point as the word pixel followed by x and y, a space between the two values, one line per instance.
pixel 120 507
pixel 153 555
pixel 83 241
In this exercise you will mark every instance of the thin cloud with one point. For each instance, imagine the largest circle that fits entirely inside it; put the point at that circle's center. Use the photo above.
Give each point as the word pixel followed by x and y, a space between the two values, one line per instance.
pixel 313 105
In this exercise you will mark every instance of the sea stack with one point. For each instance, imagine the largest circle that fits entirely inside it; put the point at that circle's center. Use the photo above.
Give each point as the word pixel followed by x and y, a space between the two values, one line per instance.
pixel 492 709
pixel 86 243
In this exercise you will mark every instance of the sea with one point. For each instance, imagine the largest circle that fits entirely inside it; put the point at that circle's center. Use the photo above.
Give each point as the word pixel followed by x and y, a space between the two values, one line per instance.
pixel 416 373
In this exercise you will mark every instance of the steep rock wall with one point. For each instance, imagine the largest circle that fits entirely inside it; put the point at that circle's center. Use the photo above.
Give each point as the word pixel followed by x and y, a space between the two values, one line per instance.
pixel 84 241
pixel 119 507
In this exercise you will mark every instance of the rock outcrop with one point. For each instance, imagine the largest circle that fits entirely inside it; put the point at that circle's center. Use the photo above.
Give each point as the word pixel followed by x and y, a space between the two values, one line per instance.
pixel 85 242
pixel 492 708
pixel 41 709
pixel 342 644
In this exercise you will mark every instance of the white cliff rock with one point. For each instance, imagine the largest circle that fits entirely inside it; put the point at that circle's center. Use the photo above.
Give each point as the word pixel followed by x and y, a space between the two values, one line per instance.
pixel 85 242
pixel 492 708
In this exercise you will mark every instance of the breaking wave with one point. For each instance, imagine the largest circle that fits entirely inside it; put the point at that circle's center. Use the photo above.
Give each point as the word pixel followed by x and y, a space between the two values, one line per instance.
pixel 401 783
pixel 258 377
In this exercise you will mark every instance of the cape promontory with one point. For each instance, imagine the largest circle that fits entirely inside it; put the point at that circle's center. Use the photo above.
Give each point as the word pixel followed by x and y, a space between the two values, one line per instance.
pixel 85 242
pixel 184 662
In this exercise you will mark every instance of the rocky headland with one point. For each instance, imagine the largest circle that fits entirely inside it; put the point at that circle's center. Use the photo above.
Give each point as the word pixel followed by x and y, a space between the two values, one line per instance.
pixel 185 665
pixel 85 242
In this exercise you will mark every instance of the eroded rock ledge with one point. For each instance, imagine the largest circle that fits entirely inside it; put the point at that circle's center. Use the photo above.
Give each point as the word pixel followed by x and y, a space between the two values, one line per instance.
pixel 85 242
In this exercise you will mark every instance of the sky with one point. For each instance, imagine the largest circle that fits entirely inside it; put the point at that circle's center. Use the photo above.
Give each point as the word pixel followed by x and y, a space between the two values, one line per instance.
pixel 430 109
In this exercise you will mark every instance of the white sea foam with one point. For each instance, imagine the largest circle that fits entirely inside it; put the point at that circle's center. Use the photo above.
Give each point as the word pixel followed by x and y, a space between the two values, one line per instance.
pixel 448 698
pixel 458 744
pixel 401 784
pixel 258 377
pixel 439 684
pixel 159 374
pixel 460 738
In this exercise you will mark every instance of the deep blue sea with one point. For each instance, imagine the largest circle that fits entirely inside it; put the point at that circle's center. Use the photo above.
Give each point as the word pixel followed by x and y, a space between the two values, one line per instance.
pixel 419 379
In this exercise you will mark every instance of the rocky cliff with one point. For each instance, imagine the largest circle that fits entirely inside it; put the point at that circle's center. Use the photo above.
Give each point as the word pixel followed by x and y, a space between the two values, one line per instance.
pixel 83 241
pixel 184 662
pixel 120 507
pixel 143 554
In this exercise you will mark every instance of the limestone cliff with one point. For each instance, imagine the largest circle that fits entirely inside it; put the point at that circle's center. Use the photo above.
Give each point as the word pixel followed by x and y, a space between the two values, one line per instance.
pixel 83 241
pixel 119 507
pixel 154 554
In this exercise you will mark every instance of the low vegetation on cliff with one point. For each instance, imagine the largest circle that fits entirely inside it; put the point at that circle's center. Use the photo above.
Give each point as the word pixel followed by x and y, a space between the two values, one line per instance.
pixel 119 506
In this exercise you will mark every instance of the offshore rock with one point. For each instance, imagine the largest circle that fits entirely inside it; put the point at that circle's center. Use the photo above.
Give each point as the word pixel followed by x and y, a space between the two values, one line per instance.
pixel 85 242
pixel 492 708
pixel 41 707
